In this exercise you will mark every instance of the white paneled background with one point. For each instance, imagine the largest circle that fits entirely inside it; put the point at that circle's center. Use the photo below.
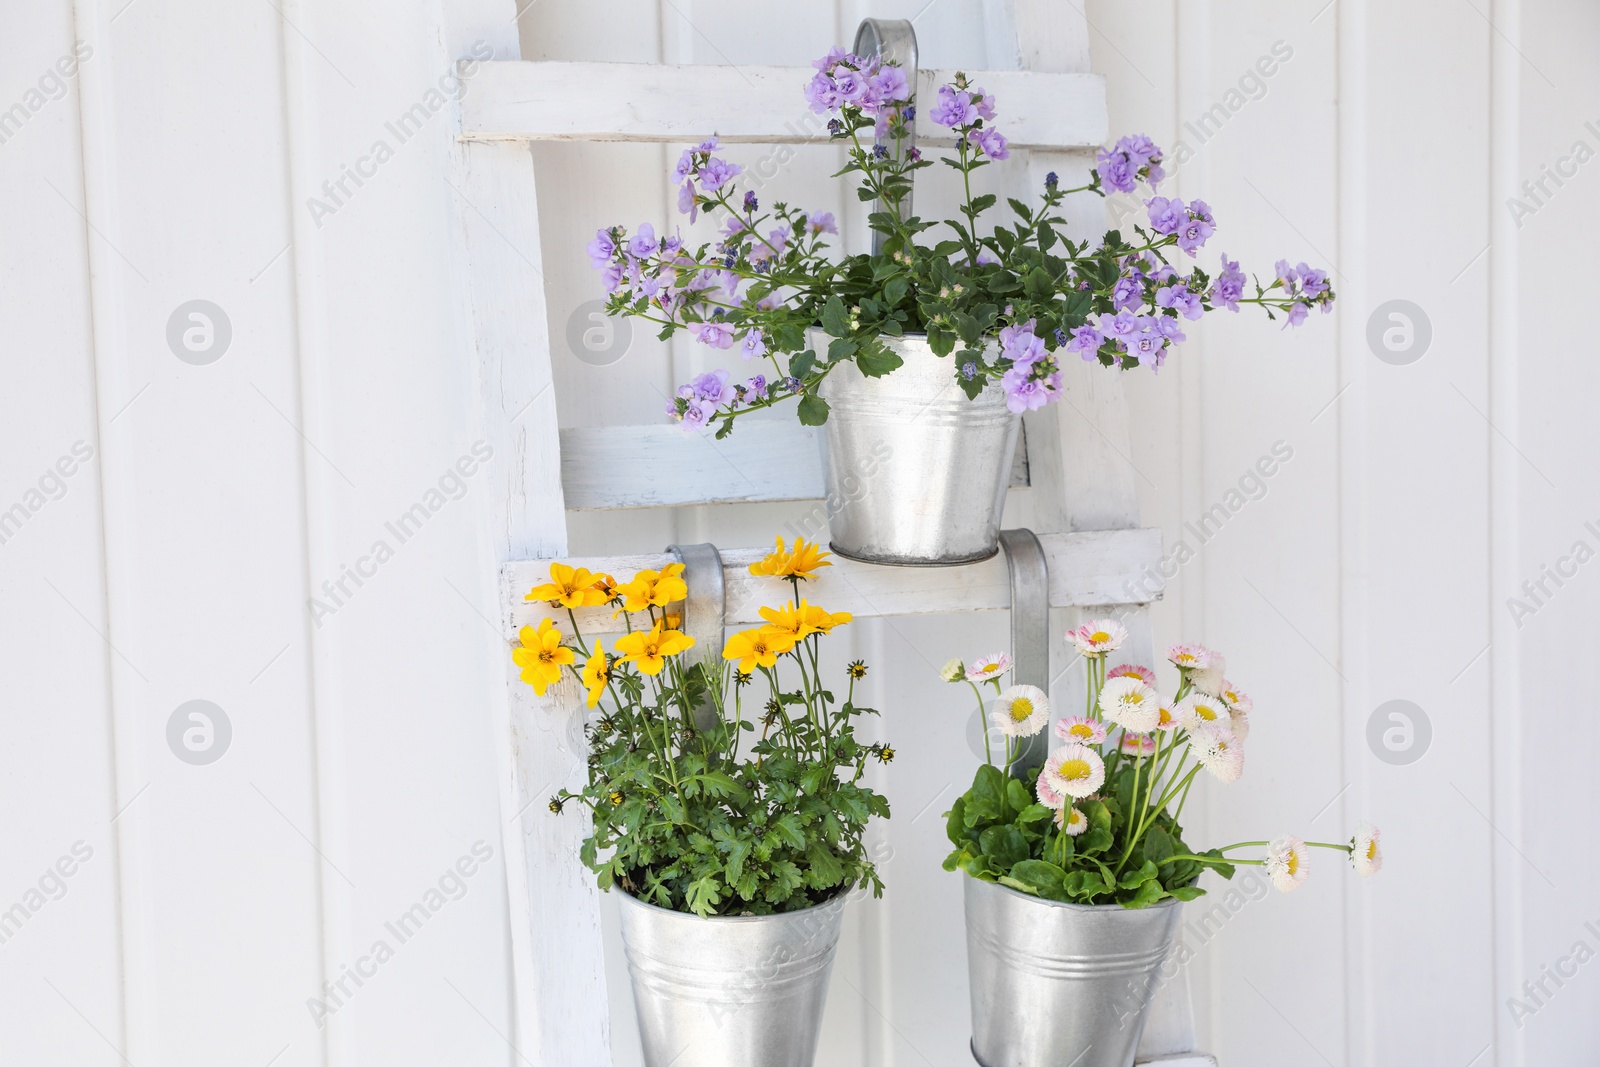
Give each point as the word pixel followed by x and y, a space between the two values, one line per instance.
pixel 203 151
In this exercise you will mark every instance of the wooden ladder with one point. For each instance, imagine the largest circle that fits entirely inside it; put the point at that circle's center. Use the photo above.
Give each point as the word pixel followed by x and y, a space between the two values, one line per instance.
pixel 1077 469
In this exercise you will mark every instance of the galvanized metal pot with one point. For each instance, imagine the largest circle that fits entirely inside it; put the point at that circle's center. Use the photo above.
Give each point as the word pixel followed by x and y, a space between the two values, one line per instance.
pixel 1060 983
pixel 916 473
pixel 729 992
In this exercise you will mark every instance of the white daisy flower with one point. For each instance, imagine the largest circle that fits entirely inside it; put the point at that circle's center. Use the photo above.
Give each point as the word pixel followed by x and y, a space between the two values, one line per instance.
pixel 1209 679
pixel 1236 699
pixel 1130 704
pixel 953 671
pixel 1189 657
pixel 1081 730
pixel 1076 770
pixel 1072 821
pixel 1166 715
pixel 1366 857
pixel 1239 723
pixel 1218 751
pixel 1144 674
pixel 1198 710
pixel 1286 864
pixel 989 667
pixel 1049 796
pixel 1137 745
pixel 1021 711
pixel 1098 636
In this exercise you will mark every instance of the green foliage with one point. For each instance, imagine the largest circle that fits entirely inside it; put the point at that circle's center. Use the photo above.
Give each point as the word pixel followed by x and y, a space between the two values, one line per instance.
pixel 1001 834
pixel 762 812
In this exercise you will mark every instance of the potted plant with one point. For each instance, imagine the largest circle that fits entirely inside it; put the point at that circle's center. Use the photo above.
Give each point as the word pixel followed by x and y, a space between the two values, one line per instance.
pixel 1075 869
pixel 726 804
pixel 918 358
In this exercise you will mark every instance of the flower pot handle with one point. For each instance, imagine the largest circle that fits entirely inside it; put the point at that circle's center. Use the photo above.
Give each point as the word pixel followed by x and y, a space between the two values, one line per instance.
pixel 895 40
pixel 1030 629
pixel 704 613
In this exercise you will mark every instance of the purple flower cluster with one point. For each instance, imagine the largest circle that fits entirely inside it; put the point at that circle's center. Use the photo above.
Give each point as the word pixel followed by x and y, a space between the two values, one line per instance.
pixel 1133 158
pixel 865 83
pixel 1228 289
pixel 699 164
pixel 1033 379
pixel 1192 222
pixel 1306 287
pixel 694 404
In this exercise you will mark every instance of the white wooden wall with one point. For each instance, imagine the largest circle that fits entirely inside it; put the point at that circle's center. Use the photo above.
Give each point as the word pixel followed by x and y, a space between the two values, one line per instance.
pixel 368 755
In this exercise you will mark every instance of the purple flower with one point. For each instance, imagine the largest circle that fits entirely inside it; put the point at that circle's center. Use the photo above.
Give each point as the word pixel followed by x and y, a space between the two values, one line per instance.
pixel 1020 344
pixel 1297 314
pixel 696 413
pixel 718 172
pixel 716 333
pixel 1116 172
pixel 822 222
pixel 829 61
pixel 644 242
pixel 991 143
pixel 687 201
pixel 685 168
pixel 1229 286
pixel 984 102
pixel 1170 328
pixel 850 85
pixel 1086 341
pixel 611 277
pixel 754 345
pixel 1128 293
pixel 1315 282
pixel 953 108
pixel 1197 228
pixel 1143 154
pixel 1285 274
pixel 1051 180
pixel 889 85
pixel 1166 216
pixel 821 94
pixel 733 226
pixel 602 248
pixel 1121 326
pixel 794 385
pixel 712 387
pixel 750 201
pixel 757 386
pixel 1024 392
pixel 969 370
pixel 1180 299
pixel 777 240
pixel 1147 342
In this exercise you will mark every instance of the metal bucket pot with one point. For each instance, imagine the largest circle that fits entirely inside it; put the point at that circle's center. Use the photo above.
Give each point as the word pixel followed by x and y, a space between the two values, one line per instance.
pixel 916 473
pixel 729 992
pixel 1060 983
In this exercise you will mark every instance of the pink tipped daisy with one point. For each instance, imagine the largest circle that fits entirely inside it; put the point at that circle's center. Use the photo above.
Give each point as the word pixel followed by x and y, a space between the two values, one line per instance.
pixel 1081 730
pixel 1072 821
pixel 1218 751
pixel 1167 716
pixel 1076 770
pixel 1133 670
pixel 1138 745
pixel 1021 711
pixel 1209 679
pixel 1286 864
pixel 1049 795
pixel 1130 704
pixel 1236 699
pixel 1366 857
pixel 1098 636
pixel 1239 723
pixel 1198 710
pixel 989 667
pixel 1189 657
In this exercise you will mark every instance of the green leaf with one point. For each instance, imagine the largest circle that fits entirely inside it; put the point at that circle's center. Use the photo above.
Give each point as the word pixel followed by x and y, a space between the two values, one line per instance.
pixel 894 290
pixel 1018 799
pixel 875 360
pixel 703 896
pixel 813 410
pixel 1133 879
pixel 1020 208
pixel 1038 285
pixel 835 319
pixel 790 830
pixel 1003 846
pixel 840 348
pixel 955 827
pixel 943 342
pixel 824 869
pixel 1148 894
pixel 1038 876
pixel 1157 844
pixel 983 203
pixel 800 363
pixel 1187 892
pixel 1094 840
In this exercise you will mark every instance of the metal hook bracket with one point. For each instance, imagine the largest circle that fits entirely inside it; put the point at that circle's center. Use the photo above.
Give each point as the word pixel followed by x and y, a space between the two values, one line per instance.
pixel 704 613
pixel 893 40
pixel 1030 629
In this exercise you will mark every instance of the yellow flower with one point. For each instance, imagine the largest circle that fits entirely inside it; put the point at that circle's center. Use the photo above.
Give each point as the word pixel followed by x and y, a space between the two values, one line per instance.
pixel 573 588
pixel 757 648
pixel 654 588
pixel 649 651
pixel 596 673
pixel 541 656
pixel 796 563
pixel 803 621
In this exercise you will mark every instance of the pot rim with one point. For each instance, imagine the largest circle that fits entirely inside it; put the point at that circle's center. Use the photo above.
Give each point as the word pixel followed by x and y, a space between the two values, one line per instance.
pixel 909 335
pixel 1167 903
pixel 837 900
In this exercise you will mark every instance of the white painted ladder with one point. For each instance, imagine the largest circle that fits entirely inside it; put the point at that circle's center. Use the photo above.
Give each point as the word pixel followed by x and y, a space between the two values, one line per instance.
pixel 1077 470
